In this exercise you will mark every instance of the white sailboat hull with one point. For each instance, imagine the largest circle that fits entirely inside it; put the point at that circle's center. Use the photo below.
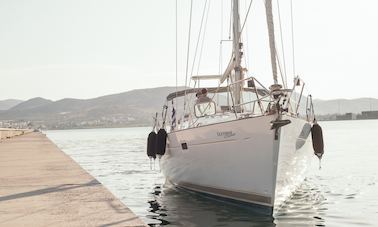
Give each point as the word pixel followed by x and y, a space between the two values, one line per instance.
pixel 241 160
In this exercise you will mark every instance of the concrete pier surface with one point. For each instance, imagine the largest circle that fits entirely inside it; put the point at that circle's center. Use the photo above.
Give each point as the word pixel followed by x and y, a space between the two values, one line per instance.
pixel 6 133
pixel 42 186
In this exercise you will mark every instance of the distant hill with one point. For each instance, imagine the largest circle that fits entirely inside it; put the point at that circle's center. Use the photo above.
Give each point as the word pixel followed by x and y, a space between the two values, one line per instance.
pixel 132 108
pixel 9 103
pixel 30 104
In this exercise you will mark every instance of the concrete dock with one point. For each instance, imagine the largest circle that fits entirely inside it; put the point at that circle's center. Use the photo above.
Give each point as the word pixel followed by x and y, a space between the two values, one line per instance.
pixel 6 133
pixel 42 186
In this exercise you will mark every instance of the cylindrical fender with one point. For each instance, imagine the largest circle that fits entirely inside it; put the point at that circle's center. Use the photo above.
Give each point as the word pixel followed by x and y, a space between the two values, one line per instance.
pixel 161 142
pixel 317 140
pixel 151 145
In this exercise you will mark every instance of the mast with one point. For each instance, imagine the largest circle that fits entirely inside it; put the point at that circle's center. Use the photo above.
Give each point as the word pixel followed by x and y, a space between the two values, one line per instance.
pixel 272 45
pixel 237 46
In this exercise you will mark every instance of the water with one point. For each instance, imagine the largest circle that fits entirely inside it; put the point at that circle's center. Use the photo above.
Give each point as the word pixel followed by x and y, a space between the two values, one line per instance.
pixel 343 193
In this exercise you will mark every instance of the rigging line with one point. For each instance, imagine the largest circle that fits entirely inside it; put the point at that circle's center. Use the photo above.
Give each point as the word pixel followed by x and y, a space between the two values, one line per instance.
pixel 187 53
pixel 245 20
pixel 220 58
pixel 176 51
pixel 229 29
pixel 282 43
pixel 220 43
pixel 198 40
pixel 280 69
pixel 292 34
pixel 246 59
pixel 203 37
pixel 246 16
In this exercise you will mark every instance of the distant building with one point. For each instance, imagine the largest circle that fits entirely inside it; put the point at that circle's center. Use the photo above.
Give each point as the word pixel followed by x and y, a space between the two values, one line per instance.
pixel 368 115
pixel 347 116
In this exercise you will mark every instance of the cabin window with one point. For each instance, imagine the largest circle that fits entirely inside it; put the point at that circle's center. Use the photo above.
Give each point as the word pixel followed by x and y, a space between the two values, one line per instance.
pixel 204 109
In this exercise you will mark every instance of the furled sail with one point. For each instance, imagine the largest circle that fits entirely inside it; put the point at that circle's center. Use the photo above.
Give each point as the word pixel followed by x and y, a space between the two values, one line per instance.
pixel 272 45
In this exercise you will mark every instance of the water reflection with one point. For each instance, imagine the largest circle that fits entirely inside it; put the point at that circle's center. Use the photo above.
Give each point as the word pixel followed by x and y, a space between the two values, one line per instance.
pixel 306 207
pixel 176 207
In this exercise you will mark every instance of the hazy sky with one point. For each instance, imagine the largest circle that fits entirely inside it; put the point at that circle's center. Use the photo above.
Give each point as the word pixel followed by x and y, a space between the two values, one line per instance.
pixel 88 48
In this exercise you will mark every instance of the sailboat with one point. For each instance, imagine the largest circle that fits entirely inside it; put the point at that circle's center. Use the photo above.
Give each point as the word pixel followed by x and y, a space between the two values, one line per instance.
pixel 245 143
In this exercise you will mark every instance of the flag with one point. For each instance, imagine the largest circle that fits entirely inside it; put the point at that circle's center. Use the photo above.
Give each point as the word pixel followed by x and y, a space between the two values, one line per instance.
pixel 173 126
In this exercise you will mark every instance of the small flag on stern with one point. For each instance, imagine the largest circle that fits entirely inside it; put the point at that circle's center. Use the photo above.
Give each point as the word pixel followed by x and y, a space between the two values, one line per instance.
pixel 173 126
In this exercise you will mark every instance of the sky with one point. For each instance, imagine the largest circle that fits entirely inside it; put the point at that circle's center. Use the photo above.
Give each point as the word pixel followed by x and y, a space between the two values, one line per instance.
pixel 89 48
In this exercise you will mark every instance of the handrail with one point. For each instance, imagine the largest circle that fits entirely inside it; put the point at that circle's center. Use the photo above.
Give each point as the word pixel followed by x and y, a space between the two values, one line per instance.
pixel 181 93
pixel 263 95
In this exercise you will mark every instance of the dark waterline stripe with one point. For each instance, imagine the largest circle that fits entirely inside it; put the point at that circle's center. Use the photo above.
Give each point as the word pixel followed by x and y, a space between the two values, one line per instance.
pixel 248 197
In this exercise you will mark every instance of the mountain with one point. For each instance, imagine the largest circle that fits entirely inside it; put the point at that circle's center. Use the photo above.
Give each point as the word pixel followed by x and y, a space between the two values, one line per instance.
pixel 30 104
pixel 132 108
pixel 9 103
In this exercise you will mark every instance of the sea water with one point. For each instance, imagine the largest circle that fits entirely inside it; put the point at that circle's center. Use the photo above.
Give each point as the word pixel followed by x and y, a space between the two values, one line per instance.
pixel 343 193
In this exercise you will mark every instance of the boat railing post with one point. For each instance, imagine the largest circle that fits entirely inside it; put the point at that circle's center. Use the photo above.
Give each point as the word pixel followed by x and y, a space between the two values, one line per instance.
pixel 288 103
pixel 300 98
pixel 232 100
pixel 258 99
